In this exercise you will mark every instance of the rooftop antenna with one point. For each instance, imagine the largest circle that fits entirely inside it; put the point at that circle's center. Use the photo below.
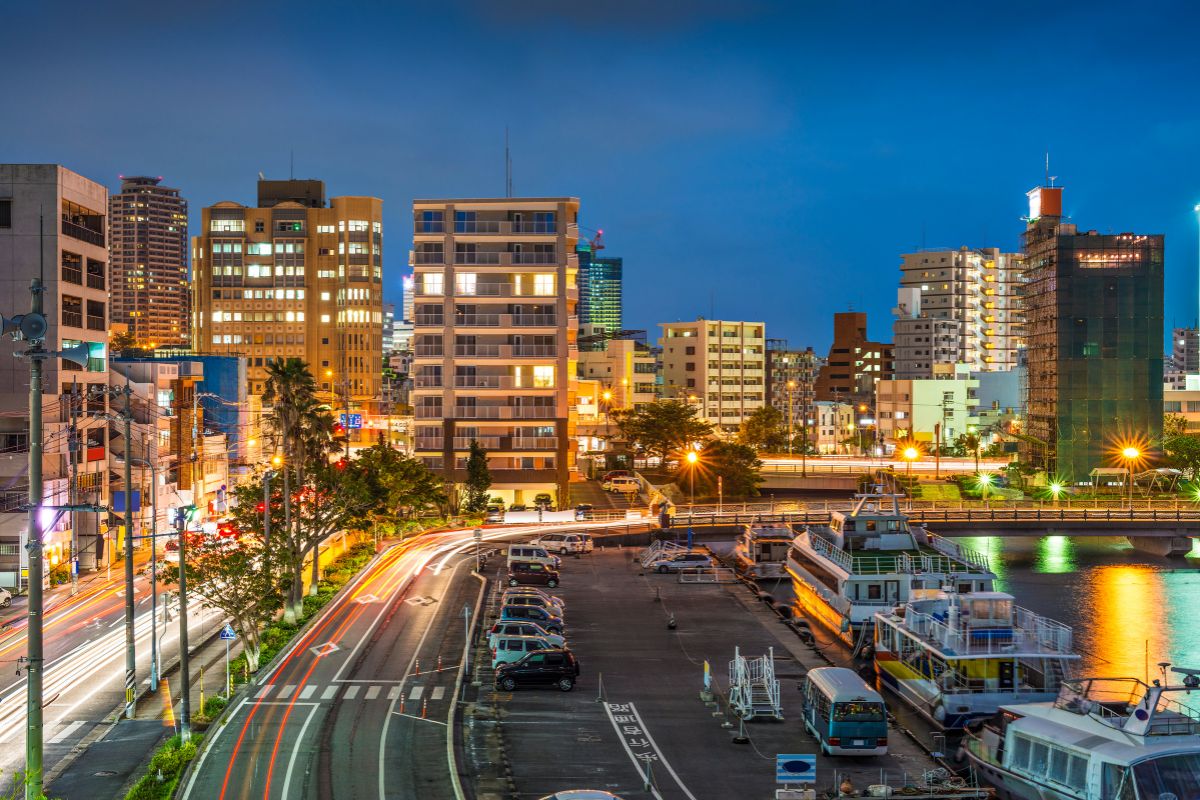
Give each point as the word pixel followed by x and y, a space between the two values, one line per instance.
pixel 507 166
pixel 261 177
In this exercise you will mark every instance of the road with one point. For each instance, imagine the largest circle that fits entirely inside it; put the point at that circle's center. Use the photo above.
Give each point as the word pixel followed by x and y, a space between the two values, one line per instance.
pixel 846 464
pixel 85 662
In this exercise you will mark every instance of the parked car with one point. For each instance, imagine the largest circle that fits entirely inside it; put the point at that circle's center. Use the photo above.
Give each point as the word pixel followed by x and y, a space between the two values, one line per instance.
pixel 494 514
pixel 558 668
pixel 507 649
pixel 678 561
pixel 5 598
pixel 532 574
pixel 534 600
pixel 525 628
pixel 517 507
pixel 563 543
pixel 624 485
pixel 531 553
pixel 617 473
pixel 583 511
pixel 541 616
pixel 525 591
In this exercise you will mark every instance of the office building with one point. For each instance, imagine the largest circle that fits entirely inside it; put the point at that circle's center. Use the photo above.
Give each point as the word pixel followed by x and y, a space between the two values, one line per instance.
pixel 389 328
pixel 148 248
pixel 495 339
pixel 295 277
pixel 599 292
pixel 791 383
pixel 1094 320
pixel 958 307
pixel 625 370
pixel 718 365
pixel 53 223
pixel 854 362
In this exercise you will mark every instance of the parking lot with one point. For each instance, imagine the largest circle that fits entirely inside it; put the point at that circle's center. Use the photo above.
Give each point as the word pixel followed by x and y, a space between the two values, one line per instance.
pixel 636 715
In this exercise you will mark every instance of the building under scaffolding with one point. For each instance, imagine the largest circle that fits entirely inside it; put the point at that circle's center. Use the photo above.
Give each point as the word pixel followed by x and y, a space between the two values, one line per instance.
pixel 1094 322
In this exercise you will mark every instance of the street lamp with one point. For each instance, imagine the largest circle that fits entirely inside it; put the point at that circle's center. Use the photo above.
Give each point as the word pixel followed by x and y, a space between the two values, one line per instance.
pixel 791 386
pixel 1056 489
pixel 985 480
pixel 692 458
pixel 607 397
pixel 1130 454
pixel 910 454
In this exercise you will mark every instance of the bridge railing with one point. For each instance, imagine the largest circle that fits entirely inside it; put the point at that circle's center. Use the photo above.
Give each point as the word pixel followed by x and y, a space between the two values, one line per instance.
pixel 927 516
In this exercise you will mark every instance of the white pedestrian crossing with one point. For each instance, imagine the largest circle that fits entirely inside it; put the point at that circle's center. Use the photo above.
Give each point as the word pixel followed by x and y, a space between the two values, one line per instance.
pixel 65 733
pixel 349 691
pixel 329 692
pixel 416 692
pixel 287 692
pixel 264 691
pixel 393 693
pixel 438 693
pixel 373 692
pixel 307 692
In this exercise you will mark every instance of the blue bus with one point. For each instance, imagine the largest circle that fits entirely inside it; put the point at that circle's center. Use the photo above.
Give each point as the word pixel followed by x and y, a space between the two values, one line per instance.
pixel 847 717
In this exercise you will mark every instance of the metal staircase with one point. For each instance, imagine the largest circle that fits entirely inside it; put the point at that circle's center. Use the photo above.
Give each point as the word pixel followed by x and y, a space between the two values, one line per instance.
pixel 659 549
pixel 753 688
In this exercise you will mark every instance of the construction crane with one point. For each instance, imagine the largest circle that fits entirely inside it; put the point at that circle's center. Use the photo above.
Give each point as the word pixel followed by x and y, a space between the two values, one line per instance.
pixel 596 241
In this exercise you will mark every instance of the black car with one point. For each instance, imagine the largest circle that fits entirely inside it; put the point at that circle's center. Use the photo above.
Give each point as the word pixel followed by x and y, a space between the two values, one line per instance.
pixel 555 667
pixel 531 573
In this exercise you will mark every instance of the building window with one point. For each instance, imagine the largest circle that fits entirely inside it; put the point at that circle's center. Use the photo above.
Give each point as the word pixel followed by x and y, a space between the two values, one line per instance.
pixel 231 225
pixel 430 222
pixel 543 284
pixel 259 226
pixel 432 283
pixel 5 213
pixel 543 377
pixel 465 283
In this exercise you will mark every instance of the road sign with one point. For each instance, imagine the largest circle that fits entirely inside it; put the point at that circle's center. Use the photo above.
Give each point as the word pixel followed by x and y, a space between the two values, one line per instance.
pixel 795 769
pixel 227 633
pixel 350 420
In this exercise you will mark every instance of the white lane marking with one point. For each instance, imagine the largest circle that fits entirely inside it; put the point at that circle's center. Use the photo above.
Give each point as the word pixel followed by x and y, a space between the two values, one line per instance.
pixel 287 692
pixel 65 732
pixel 416 692
pixel 264 691
pixel 438 693
pixel 307 691
pixel 393 693
pixel 329 692
pixel 637 763
pixel 351 692
pixel 373 692
pixel 287 779
pixel 210 745
pixel 661 756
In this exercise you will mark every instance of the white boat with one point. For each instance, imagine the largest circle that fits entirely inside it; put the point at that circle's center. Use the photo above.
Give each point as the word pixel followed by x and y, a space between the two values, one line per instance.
pixel 760 550
pixel 870 559
pixel 956 658
pixel 1101 739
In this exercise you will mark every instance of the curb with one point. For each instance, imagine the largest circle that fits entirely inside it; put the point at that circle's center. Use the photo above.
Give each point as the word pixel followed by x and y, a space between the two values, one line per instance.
pixel 451 728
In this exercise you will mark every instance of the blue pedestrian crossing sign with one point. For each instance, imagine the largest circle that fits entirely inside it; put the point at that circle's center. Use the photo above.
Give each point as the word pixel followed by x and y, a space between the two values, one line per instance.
pixel 795 769
pixel 227 633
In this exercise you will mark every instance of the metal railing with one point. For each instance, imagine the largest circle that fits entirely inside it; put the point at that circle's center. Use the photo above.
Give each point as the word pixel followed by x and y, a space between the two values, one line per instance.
pixel 534 442
pixel 708 575
pixel 82 233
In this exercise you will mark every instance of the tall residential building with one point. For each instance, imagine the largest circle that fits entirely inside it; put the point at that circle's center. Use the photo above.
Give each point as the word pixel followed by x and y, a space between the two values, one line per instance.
pixel 495 339
pixel 958 307
pixel 53 223
pixel 1094 318
pixel 625 369
pixel 791 382
pixel 148 245
pixel 923 409
pixel 1184 358
pixel 294 277
pixel 718 365
pixel 599 292
pixel 854 362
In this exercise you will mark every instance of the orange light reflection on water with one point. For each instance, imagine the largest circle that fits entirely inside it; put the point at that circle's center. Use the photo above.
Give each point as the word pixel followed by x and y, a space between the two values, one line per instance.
pixel 1127 628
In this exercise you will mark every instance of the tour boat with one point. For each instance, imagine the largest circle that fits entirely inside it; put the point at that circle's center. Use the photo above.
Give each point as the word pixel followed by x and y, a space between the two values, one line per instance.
pixel 870 559
pixel 760 550
pixel 1101 739
pixel 956 657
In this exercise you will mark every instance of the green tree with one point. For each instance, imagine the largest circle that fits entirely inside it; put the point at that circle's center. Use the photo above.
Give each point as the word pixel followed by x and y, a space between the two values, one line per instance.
pixel 479 480
pixel 1173 425
pixel 968 444
pixel 662 428
pixel 764 430
pixel 736 465
pixel 403 486
pixel 1183 453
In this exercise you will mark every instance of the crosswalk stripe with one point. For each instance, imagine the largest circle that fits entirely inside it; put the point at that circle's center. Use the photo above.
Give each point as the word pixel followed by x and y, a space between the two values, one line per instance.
pixel 264 691
pixel 287 691
pixel 329 692
pixel 373 692
pixel 65 732
pixel 307 692
pixel 351 692
pixel 415 694
pixel 393 693
pixel 437 693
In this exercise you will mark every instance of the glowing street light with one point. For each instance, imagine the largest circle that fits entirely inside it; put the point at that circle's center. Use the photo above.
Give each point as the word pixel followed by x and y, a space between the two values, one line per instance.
pixel 692 459
pixel 1131 455
pixel 910 454
pixel 985 480
pixel 1056 490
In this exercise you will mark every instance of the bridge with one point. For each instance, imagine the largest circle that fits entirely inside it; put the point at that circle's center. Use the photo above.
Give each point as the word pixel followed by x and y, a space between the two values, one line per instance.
pixel 842 473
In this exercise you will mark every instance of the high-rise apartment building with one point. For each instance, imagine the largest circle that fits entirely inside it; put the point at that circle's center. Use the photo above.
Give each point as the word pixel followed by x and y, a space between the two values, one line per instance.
pixel 791 382
pixel 53 224
pixel 718 365
pixel 294 277
pixel 148 246
pixel 1184 358
pixel 854 362
pixel 1094 318
pixel 495 332
pixel 958 307
pixel 599 292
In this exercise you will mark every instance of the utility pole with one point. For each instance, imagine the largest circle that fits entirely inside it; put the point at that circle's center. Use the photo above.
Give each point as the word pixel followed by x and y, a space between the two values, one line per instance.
pixel 33 726
pixel 130 644
pixel 185 700
pixel 73 484
pixel 153 571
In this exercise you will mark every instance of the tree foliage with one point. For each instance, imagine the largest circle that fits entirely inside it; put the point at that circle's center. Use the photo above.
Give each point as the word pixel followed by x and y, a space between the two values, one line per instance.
pixel 1183 453
pixel 402 486
pixel 662 428
pixel 765 430
pixel 479 479
pixel 736 465
pixel 1173 425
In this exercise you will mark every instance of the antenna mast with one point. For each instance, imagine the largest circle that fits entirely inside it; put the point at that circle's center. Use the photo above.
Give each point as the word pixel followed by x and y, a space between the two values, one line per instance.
pixel 507 166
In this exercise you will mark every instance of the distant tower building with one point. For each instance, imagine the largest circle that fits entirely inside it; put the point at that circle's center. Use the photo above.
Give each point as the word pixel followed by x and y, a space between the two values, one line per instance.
pixel 1184 359
pixel 389 328
pixel 148 226
pixel 854 363
pixel 1094 317
pixel 791 381
pixel 409 299
pixel 599 291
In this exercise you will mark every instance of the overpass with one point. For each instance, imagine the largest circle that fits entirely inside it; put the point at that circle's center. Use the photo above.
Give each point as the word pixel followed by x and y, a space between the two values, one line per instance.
pixel 843 474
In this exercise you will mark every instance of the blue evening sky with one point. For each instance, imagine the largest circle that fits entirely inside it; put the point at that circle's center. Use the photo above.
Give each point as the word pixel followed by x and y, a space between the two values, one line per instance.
pixel 767 160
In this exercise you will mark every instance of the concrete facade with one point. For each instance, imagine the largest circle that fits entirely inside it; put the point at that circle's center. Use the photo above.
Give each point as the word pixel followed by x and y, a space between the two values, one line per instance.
pixel 718 365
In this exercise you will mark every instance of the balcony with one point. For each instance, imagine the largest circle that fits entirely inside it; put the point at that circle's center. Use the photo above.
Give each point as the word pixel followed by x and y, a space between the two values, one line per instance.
pixel 428 382
pixel 428 412
pixel 95 323
pixel 72 319
pixel 426 257
pixel 534 443
pixel 430 320
pixel 506 350
pixel 505 258
pixel 429 351
pixel 487 442
pixel 428 442
pixel 82 233
pixel 504 412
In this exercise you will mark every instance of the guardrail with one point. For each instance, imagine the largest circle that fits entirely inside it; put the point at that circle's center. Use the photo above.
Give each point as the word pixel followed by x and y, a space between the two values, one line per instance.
pixel 708 575
pixel 925 517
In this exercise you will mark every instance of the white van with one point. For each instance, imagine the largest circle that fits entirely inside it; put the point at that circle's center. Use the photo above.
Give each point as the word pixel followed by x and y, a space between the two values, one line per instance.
pixel 625 485
pixel 563 543
pixel 532 553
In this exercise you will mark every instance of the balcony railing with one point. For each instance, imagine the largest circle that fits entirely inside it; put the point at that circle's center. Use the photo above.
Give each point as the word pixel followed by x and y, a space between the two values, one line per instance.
pixel 428 381
pixel 72 319
pixel 95 323
pixel 534 443
pixel 495 382
pixel 429 412
pixel 82 233
pixel 428 257
pixel 486 258
pixel 506 350
pixel 535 320
pixel 505 258
pixel 436 320
pixel 429 350
pixel 504 412
pixel 527 257
pixel 464 442
pixel 95 281
pixel 428 442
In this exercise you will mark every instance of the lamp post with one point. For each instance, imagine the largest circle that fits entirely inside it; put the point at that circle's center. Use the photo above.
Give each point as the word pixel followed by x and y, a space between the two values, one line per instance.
pixel 1055 491
pixel 985 481
pixel 692 458
pixel 606 397
pixel 911 454
pixel 1130 454
pixel 791 386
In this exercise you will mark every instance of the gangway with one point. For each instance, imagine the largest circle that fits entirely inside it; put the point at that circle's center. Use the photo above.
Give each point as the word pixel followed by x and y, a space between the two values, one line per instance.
pixel 753 687
pixel 661 549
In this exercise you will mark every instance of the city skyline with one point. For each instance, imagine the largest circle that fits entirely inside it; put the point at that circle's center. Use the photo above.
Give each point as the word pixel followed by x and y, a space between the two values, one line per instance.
pixel 703 116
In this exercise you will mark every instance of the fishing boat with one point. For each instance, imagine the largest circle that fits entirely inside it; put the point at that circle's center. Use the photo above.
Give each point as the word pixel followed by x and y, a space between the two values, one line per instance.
pixel 760 550
pixel 1100 739
pixel 956 658
pixel 869 559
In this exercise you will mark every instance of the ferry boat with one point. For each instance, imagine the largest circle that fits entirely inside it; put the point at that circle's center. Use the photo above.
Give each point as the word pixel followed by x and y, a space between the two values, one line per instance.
pixel 956 658
pixel 760 550
pixel 1101 739
pixel 870 559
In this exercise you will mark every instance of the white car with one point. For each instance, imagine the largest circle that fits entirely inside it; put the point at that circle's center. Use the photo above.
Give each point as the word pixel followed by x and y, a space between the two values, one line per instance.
pixel 563 543
pixel 513 591
pixel 674 563
pixel 5 598
pixel 510 628
pixel 537 600
pixel 507 649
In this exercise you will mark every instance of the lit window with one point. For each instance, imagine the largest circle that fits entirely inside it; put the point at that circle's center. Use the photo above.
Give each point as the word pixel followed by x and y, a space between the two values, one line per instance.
pixel 359 225
pixel 259 248
pixel 543 377
pixel 325 296
pixel 465 283
pixel 432 283
pixel 324 318
pixel 543 284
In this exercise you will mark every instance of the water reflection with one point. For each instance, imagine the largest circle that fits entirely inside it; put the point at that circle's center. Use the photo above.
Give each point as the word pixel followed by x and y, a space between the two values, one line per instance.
pixel 1125 631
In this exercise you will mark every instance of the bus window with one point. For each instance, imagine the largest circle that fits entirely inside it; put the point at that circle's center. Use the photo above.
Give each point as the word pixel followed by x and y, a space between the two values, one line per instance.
pixel 858 712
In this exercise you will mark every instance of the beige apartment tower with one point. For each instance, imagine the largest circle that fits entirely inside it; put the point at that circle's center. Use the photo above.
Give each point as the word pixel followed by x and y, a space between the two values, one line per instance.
pixel 294 277
pixel 494 339
pixel 718 365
